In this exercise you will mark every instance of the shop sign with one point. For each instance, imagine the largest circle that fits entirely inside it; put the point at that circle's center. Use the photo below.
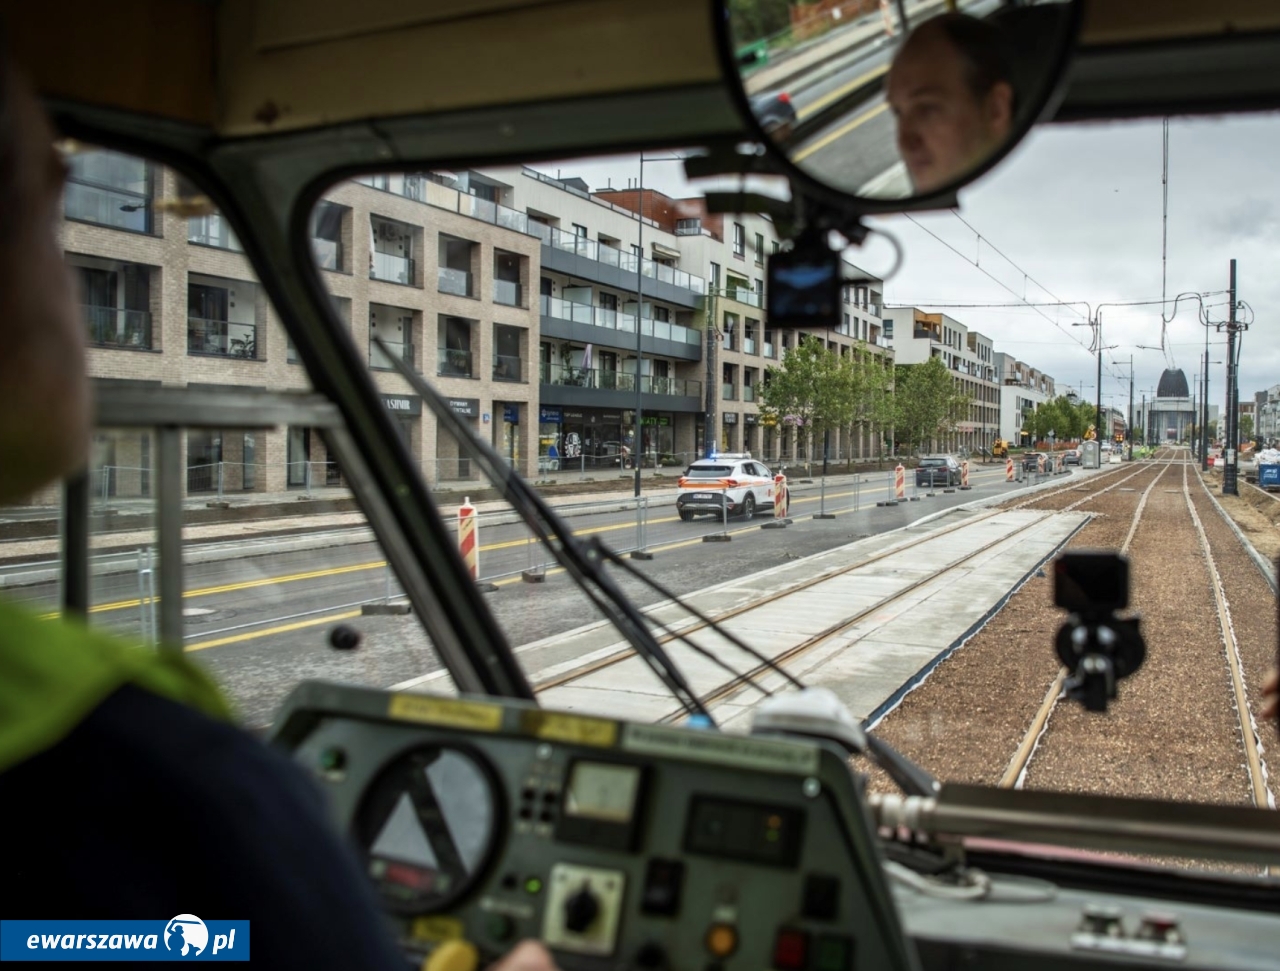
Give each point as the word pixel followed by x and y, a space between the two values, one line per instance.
pixel 549 416
pixel 662 421
pixel 402 404
pixel 511 414
pixel 468 407
pixel 731 418
pixel 751 418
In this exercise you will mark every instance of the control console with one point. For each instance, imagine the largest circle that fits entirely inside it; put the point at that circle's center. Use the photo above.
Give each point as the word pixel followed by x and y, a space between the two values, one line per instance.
pixel 619 845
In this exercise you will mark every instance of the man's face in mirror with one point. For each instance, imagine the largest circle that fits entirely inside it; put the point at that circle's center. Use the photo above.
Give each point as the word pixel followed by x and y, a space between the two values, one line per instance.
pixel 950 94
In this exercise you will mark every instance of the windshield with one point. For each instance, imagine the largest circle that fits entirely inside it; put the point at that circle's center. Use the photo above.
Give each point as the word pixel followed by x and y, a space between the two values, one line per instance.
pixel 599 340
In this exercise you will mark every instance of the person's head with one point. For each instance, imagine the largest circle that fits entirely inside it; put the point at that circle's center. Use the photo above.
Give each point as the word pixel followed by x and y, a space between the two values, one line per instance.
pixel 950 89
pixel 44 409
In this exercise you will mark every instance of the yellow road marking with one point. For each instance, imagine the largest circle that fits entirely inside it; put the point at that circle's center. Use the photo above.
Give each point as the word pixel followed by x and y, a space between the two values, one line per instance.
pixel 839 133
pixel 281 629
pixel 841 91
pixel 379 564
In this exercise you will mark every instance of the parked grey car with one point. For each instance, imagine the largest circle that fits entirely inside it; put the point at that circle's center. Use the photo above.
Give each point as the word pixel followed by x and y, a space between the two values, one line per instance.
pixel 935 470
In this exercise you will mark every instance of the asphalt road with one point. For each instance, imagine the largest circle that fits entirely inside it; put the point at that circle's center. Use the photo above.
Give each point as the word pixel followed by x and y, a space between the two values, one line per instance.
pixel 259 623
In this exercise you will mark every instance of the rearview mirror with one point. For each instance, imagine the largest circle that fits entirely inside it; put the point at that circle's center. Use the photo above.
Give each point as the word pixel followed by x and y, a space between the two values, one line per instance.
pixel 874 104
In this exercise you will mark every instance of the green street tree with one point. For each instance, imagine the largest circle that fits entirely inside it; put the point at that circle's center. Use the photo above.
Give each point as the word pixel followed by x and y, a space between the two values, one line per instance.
pixel 813 391
pixel 927 404
pixel 1246 427
pixel 875 395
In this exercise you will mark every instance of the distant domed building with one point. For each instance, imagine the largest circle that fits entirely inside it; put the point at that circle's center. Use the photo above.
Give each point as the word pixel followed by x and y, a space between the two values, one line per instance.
pixel 1173 384
pixel 1172 416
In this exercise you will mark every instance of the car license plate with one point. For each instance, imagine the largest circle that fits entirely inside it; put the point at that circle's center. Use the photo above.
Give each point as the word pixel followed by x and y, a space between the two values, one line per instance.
pixel 703 495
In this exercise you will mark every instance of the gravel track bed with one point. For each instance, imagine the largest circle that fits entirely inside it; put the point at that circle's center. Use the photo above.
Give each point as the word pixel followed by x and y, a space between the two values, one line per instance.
pixel 1172 733
pixel 1253 615
pixel 965 722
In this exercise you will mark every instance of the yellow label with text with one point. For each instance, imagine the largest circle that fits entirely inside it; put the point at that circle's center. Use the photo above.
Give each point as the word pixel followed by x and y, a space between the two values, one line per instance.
pixel 575 729
pixel 475 716
pixel 436 928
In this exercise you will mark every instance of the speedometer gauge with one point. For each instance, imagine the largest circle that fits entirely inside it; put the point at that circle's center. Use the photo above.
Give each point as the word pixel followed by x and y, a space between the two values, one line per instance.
pixel 427 826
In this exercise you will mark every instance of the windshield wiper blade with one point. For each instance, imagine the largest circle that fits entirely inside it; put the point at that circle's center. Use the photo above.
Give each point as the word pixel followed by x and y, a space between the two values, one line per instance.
pixel 576 557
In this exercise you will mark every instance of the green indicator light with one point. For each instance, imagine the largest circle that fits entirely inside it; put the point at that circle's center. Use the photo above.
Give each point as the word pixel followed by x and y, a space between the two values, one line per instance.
pixel 332 759
pixel 771 836
pixel 533 886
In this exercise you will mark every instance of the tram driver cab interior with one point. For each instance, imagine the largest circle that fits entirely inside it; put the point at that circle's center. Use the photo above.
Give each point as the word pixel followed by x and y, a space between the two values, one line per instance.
pixel 484 818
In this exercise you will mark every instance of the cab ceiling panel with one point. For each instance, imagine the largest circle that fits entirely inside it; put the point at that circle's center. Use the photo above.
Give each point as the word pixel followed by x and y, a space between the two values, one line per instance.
pixel 153 57
pixel 302 63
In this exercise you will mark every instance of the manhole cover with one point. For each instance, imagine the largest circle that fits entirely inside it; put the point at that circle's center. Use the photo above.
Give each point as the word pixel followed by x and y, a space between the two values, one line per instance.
pixel 196 611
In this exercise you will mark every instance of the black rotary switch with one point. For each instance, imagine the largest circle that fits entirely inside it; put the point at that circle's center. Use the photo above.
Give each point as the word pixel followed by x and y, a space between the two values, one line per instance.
pixel 581 910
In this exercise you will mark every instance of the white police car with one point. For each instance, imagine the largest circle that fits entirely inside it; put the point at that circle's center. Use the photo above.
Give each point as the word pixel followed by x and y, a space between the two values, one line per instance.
pixel 736 479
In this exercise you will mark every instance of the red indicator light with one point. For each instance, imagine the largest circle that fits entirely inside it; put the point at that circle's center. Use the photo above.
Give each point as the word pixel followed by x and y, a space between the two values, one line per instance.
pixel 408 876
pixel 789 950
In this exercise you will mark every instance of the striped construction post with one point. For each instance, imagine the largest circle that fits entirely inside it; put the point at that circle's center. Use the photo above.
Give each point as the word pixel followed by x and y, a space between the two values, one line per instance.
pixel 780 504
pixel 1008 470
pixel 899 483
pixel 964 475
pixel 1040 464
pixel 468 538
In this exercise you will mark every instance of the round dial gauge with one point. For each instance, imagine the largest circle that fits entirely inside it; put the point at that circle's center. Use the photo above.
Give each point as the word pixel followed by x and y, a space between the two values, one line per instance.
pixel 428 826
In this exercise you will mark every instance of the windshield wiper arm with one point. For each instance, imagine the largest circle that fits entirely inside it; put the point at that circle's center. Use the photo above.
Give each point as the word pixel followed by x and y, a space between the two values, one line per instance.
pixel 576 558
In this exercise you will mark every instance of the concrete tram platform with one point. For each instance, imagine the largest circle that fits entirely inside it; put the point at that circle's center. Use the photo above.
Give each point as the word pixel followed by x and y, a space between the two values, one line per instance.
pixel 920 592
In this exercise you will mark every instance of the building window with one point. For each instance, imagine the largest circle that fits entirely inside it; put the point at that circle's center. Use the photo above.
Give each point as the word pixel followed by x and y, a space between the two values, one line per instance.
pixel 739 240
pixel 212 230
pixel 326 235
pixel 580 230
pixel 221 323
pixel 715 275
pixel 117 304
pixel 454 273
pixel 759 248
pixel 391 251
pixel 110 189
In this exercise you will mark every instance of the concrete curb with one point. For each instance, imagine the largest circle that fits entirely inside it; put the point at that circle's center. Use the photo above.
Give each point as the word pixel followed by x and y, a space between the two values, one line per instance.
pixel 1260 561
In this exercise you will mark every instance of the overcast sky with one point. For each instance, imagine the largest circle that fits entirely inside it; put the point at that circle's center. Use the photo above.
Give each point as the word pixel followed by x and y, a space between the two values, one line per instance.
pixel 1079 209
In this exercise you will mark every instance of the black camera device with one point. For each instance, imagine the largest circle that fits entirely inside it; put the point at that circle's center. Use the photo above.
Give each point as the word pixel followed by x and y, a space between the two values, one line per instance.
pixel 1097 646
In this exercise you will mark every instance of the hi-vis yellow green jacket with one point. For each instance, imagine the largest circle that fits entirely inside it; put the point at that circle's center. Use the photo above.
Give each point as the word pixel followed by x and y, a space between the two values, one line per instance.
pixel 53 673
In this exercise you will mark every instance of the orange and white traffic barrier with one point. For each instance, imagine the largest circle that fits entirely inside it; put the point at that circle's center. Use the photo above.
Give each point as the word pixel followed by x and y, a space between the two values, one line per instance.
pixel 468 538
pixel 1040 465
pixel 779 496
pixel 964 474
pixel 899 483
pixel 1008 470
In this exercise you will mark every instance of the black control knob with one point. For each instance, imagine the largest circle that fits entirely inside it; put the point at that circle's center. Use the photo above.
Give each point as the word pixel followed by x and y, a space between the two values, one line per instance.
pixel 581 910
pixel 651 957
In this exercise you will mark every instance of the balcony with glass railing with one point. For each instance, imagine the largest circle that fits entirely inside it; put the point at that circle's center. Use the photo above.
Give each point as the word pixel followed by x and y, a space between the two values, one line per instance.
pixel 507 367
pixel 558 239
pixel 449 280
pixel 380 361
pixel 743 295
pixel 728 392
pixel 392 269
pixel 116 327
pixel 748 345
pixel 508 292
pixel 221 338
pixel 454 362
pixel 582 313
pixel 600 380
pixel 770 350
pixel 748 392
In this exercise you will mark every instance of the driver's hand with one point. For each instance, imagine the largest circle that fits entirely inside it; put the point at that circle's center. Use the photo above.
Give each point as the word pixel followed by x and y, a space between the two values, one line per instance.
pixel 1271 695
pixel 526 956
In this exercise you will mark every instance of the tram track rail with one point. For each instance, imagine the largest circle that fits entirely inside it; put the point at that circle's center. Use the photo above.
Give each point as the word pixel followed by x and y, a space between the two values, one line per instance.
pixel 1016 771
pixel 733 685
